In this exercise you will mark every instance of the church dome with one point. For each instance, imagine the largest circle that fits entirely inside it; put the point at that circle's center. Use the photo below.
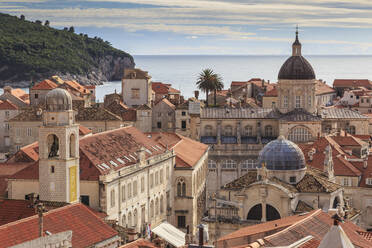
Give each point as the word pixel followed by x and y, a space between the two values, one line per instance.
pixel 58 100
pixel 296 67
pixel 282 154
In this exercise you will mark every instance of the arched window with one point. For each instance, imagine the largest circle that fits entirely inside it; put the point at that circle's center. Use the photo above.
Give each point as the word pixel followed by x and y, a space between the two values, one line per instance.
pixel 249 164
pixel 229 164
pixel 72 146
pixel 53 145
pixel 208 130
pixel 181 187
pixel 161 204
pixel 269 131
pixel 228 130
pixel 248 131
pixel 152 209
pixel 130 219
pixel 350 129
pixel 212 164
pixel 300 135
pixel 157 207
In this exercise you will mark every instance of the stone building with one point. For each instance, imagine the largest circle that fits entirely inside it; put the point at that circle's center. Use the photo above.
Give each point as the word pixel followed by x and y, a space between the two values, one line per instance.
pixel 8 110
pixel 282 186
pixel 136 88
pixel 340 85
pixel 189 179
pixel 163 116
pixel 16 96
pixel 236 135
pixel 162 90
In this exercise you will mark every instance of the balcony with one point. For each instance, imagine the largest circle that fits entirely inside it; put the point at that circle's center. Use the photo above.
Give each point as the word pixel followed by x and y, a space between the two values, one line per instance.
pixel 249 140
pixel 265 140
pixel 208 139
pixel 229 140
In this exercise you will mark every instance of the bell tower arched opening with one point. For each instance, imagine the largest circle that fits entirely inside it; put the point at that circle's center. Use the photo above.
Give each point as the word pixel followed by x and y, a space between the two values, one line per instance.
pixel 53 146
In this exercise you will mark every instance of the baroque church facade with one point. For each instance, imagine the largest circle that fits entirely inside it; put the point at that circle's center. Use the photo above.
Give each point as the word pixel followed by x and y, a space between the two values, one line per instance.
pixel 237 135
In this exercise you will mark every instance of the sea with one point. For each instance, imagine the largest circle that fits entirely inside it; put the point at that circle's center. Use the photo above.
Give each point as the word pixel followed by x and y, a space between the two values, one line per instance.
pixel 182 70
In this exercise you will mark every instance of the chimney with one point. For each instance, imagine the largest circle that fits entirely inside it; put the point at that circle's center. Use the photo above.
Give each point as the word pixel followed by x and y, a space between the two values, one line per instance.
pixel 196 94
pixel 40 210
pixel 263 83
pixel 8 89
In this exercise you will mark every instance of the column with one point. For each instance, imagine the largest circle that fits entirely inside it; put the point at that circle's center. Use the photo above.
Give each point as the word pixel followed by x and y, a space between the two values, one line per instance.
pixel 263 194
pixel 219 175
pixel 238 132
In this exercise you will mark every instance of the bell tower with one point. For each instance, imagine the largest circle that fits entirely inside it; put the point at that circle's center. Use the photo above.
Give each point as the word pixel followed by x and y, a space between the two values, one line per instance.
pixel 59 178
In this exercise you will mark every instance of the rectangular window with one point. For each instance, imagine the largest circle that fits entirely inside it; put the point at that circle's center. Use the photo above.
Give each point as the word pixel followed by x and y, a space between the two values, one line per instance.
pixel 134 188
pixel 285 102
pixel 309 100
pixel 85 199
pixel 181 223
pixel 18 147
pixel 161 175
pixel 183 124
pixel 6 125
pixel 142 184
pixel 112 196
pixel 29 131
pixel 159 114
pixel 156 178
pixel 123 193
pixel 369 181
pixel 345 181
pixel 292 179
pixel 298 102
pixel 36 96
pixel 183 113
pixel 158 124
pixel 151 180
pixel 129 190
pixel 7 114
pixel 135 93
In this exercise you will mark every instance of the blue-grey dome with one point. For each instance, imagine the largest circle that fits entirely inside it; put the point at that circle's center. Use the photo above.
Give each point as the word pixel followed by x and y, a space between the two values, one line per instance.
pixel 282 154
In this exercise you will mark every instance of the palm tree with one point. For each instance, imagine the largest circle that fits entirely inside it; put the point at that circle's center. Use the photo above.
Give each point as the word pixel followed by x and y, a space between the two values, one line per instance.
pixel 217 86
pixel 208 81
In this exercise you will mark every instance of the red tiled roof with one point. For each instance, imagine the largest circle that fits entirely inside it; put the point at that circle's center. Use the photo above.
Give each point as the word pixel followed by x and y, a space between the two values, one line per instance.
pixel 84 130
pixel 139 243
pixel 90 86
pixel 352 83
pixel 272 93
pixel 312 243
pixel 45 85
pixel 269 226
pixel 7 105
pixel 238 83
pixel 188 151
pixel 87 228
pixel 13 210
pixel 77 87
pixel 366 235
pixel 323 88
pixel 161 88
pixel 316 225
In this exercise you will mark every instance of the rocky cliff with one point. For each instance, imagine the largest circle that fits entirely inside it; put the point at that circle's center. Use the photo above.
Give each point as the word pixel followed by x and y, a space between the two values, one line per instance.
pixel 31 51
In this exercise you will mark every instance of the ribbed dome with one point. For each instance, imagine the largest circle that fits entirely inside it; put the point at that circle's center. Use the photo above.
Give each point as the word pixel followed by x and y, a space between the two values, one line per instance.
pixel 58 100
pixel 282 154
pixel 296 67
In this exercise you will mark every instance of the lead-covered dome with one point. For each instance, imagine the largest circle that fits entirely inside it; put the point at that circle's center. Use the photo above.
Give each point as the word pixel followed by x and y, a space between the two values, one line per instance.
pixel 282 154
pixel 296 67
pixel 58 100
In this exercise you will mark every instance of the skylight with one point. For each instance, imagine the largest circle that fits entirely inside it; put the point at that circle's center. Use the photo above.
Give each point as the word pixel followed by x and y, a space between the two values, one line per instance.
pixel 113 163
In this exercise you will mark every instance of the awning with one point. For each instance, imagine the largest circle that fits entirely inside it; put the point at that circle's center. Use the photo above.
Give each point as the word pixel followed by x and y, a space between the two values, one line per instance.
pixel 170 234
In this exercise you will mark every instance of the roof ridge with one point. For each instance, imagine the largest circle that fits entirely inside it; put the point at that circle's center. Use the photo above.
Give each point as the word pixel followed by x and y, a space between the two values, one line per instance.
pixel 316 212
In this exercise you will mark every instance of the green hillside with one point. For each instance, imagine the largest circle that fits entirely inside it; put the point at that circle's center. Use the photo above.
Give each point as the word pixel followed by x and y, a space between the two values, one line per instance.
pixel 34 50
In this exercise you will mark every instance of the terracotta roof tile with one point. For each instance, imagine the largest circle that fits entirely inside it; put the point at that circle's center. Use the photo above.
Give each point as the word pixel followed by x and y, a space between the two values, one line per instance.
pixel 188 151
pixel 312 243
pixel 272 93
pixel 366 235
pixel 238 83
pixel 322 88
pixel 95 114
pixel 84 130
pixel 139 243
pixel 166 101
pixel 120 109
pixel 352 83
pixel 7 105
pixel 45 85
pixel 161 88
pixel 13 210
pixel 77 87
pixel 87 228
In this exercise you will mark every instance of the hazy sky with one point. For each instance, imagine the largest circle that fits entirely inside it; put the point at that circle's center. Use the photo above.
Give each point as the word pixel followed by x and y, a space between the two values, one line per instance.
pixel 211 26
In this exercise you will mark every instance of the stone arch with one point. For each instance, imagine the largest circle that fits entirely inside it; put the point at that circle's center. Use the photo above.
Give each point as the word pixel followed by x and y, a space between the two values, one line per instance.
pixel 336 201
pixel 300 134
pixel 72 146
pixel 255 213
pixel 53 145
pixel 123 221
pixel 135 218
pixel 228 130
pixel 129 219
